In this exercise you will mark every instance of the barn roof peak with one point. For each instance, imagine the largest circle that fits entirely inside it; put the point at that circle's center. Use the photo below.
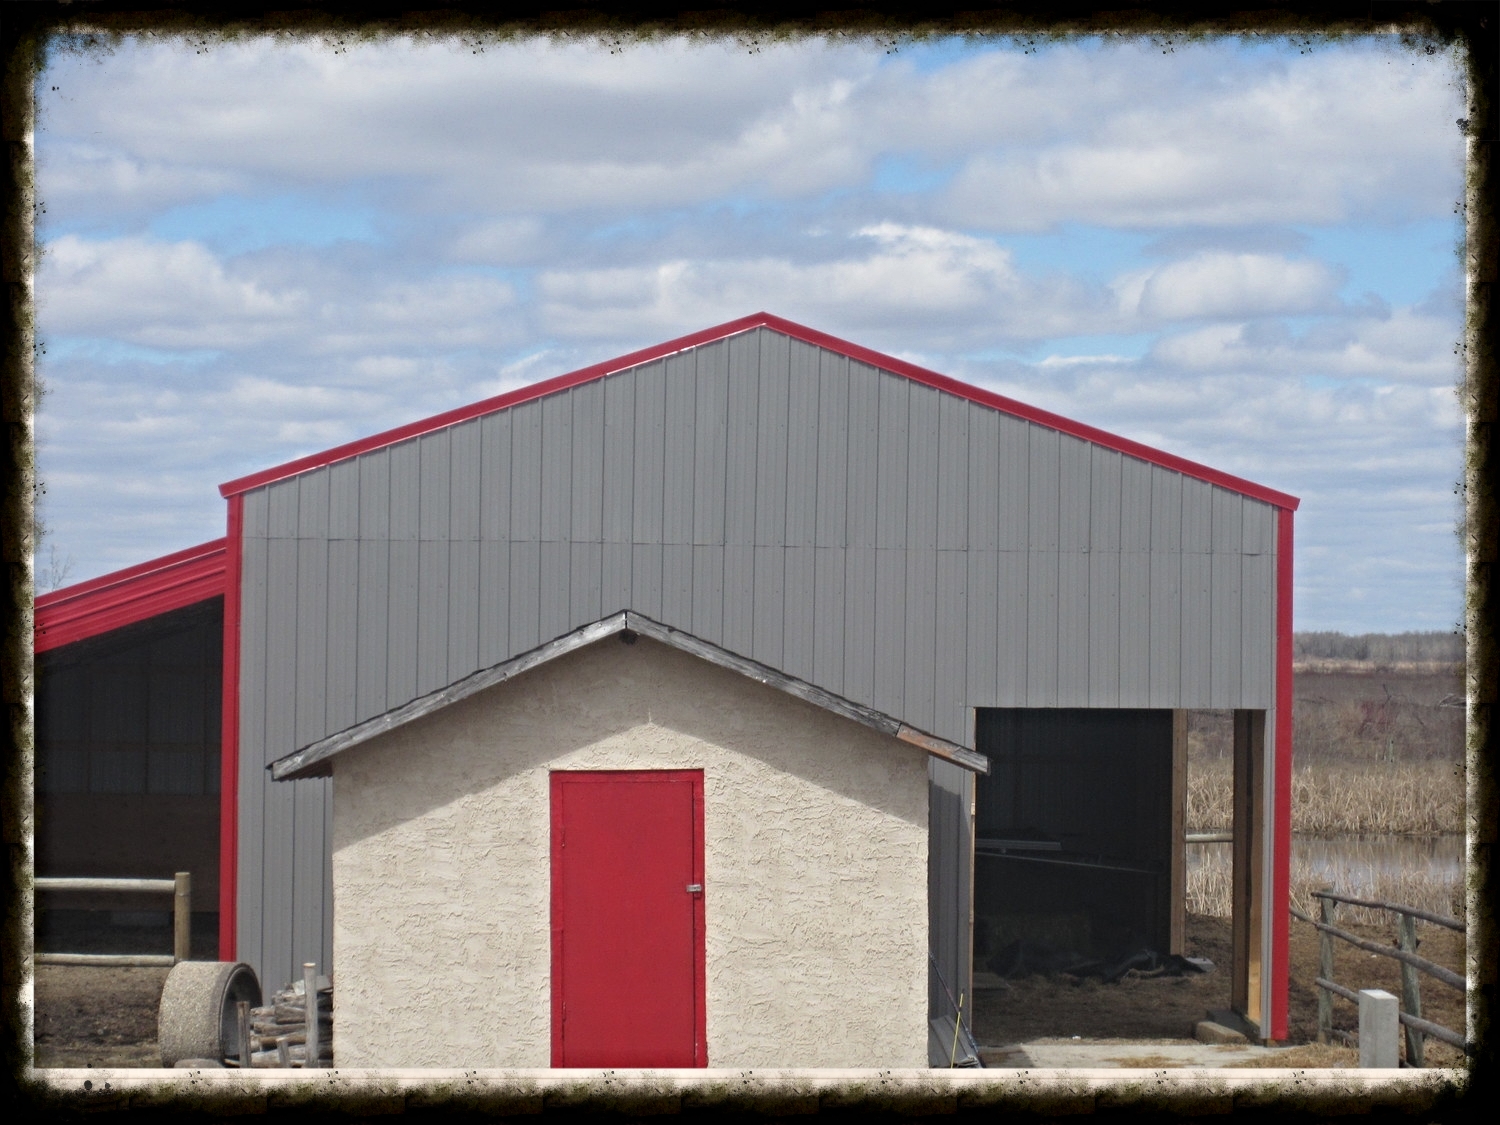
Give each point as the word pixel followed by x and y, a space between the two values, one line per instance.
pixel 795 331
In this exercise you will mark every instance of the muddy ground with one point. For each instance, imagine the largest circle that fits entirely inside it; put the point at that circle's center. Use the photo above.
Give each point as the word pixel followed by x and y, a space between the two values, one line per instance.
pixel 102 1017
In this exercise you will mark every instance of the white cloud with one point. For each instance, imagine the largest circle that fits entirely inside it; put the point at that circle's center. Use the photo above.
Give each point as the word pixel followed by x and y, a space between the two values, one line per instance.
pixel 1220 284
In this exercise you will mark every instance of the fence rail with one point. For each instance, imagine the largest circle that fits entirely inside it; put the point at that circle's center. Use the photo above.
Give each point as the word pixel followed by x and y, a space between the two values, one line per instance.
pixel 1410 1014
pixel 180 887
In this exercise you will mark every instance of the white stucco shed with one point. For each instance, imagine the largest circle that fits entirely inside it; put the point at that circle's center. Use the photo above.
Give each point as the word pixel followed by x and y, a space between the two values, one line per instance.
pixel 813 850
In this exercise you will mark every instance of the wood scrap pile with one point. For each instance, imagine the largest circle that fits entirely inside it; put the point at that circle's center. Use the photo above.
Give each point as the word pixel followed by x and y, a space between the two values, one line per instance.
pixel 278 1031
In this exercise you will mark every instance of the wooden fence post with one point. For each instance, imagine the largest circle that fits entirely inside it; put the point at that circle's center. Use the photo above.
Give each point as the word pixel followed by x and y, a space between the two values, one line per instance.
pixel 182 916
pixel 1326 907
pixel 1411 991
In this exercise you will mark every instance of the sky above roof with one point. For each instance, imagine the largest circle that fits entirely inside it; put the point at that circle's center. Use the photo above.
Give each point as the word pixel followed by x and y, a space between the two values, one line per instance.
pixel 1244 252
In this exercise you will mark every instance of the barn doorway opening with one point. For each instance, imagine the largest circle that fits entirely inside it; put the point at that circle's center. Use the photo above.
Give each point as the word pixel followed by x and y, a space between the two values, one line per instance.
pixel 127 780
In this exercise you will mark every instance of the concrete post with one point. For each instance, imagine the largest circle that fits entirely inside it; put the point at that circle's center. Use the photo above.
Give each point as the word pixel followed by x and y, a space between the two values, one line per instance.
pixel 1379 1029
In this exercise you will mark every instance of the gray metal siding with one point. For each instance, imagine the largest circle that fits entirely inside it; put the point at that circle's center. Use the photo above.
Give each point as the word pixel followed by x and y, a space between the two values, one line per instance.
pixel 901 547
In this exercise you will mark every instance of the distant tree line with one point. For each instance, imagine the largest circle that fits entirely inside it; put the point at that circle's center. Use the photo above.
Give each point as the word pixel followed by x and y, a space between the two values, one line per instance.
pixel 1380 648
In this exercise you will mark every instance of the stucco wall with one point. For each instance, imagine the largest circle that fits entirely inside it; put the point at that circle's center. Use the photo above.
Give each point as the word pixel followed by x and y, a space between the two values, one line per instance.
pixel 815 867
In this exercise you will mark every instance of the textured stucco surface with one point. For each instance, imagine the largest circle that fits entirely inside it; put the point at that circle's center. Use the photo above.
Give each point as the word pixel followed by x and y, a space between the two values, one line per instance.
pixel 815 867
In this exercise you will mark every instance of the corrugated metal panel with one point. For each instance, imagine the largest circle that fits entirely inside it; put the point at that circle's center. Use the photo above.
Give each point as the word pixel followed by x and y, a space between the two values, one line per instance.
pixel 963 558
pixel 950 880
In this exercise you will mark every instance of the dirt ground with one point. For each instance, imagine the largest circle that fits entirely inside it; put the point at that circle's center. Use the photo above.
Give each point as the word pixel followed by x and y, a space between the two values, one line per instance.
pixel 101 1017
pixel 1038 1007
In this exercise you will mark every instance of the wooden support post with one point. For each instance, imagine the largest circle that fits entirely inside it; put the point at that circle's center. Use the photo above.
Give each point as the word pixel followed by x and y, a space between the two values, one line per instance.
pixel 1411 991
pixel 182 916
pixel 1326 908
pixel 310 995
pixel 1248 878
pixel 1177 892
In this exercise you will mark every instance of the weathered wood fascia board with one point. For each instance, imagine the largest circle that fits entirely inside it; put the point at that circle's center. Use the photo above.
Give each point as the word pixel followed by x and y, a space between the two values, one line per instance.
pixel 312 760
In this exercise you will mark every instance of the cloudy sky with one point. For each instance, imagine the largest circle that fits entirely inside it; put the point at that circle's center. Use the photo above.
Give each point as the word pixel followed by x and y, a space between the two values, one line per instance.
pixel 1246 253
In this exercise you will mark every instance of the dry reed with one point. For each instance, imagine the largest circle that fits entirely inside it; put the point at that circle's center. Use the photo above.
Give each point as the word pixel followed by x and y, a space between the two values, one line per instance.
pixel 1337 799
pixel 1208 888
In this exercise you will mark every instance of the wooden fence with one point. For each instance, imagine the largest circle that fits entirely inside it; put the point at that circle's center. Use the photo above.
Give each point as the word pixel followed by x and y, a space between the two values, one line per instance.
pixel 180 887
pixel 1411 996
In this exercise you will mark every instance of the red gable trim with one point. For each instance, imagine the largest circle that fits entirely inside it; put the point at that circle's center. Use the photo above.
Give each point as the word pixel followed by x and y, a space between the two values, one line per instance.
pixel 124 597
pixel 796 331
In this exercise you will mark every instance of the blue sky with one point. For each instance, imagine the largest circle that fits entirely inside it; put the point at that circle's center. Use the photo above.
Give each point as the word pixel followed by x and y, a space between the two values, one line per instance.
pixel 1242 252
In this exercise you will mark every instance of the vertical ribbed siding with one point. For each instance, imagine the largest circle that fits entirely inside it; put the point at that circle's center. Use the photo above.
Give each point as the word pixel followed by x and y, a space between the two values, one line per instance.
pixel 901 547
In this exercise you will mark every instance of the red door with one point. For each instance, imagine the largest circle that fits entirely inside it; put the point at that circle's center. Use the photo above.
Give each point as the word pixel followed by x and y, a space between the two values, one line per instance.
pixel 627 919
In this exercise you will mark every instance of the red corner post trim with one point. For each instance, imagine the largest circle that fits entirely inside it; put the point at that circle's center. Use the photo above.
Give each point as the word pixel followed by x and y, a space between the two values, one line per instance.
pixel 229 735
pixel 1281 900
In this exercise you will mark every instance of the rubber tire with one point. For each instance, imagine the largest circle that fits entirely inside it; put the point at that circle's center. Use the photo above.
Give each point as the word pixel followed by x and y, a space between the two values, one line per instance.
pixel 198 1018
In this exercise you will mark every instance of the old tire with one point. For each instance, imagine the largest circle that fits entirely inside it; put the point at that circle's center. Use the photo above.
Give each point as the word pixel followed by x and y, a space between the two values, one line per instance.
pixel 199 1018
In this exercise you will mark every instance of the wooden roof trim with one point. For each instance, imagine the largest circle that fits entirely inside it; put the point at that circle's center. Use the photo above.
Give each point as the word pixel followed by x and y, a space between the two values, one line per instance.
pixel 313 760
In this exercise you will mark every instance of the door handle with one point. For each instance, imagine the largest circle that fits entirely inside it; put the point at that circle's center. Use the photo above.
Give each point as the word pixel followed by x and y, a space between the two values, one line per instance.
pixel 695 888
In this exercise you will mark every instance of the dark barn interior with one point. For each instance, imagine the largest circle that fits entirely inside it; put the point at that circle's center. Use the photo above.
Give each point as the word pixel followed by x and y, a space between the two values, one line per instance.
pixel 127 780
pixel 1073 837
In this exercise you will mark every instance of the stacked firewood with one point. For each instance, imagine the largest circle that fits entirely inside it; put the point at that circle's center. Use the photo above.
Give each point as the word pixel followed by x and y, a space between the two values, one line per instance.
pixel 278 1031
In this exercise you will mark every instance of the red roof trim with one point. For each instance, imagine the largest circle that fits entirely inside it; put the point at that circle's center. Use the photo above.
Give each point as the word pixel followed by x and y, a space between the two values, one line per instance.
pixel 127 596
pixel 808 335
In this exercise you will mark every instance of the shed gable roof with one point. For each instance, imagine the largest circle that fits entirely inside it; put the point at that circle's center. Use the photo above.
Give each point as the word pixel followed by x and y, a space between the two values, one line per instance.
pixel 794 331
pixel 314 759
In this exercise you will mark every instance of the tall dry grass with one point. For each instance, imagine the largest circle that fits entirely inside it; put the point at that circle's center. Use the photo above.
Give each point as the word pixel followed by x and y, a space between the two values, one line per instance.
pixel 1338 798
pixel 1208 889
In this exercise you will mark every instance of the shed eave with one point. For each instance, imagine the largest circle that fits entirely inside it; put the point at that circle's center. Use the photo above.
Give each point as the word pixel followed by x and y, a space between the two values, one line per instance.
pixel 315 759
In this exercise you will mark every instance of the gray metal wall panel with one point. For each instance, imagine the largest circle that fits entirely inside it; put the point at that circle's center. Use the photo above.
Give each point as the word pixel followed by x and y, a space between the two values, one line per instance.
pixel 922 436
pixel 1197 582
pixel 1135 505
pixel 740 458
pixel 250 841
pixel 465 478
pixel 494 489
pixel 1105 507
pixel 649 457
pixel 1165 625
pixel 1013 516
pixel 619 463
pixel 953 473
pixel 676 585
pixel 860 611
pixel 614 583
pixel 526 473
pixel 524 625
pixel 432 613
pixel 890 631
pixel 710 443
pixel 272 909
pixel 401 635
pixel 1104 628
pixel 645 578
pixel 1135 629
pixel 739 598
pixel 833 453
pixel 552 596
pixel 375 495
pixel 802 447
pixel 1258 622
pixel 678 454
pixel 1074 502
pixel 312 505
pixel 1042 621
pixel 799 610
pixel 557 469
pixel 950 880
pixel 406 490
pixel 1012 610
pixel 343 500
pixel 893 459
pixel 1226 637
pixel 771 441
pixel 864 455
pixel 494 602
pixel 282 515
pixel 255 514
pixel 767 606
pixel 281 651
pixel 1228 521
pixel 312 639
pixel 1073 639
pixel 1197 515
pixel 983 640
pixel 463 607
pixel 708 592
pixel 1044 469
pixel 587 476
pixel 311 935
pixel 586 562
pixel 951 674
pixel 919 650
pixel 1258 529
pixel 435 463
pixel 373 598
pixel 1166 510
pixel 982 522
pixel 828 610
